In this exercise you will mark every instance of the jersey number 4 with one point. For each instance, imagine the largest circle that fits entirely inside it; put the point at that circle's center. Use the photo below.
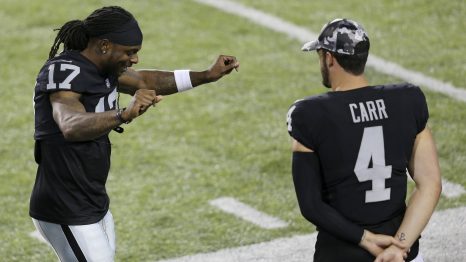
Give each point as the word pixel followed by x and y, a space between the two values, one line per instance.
pixel 372 148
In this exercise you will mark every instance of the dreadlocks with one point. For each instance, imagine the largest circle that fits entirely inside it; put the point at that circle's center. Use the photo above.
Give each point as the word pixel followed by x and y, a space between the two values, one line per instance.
pixel 75 34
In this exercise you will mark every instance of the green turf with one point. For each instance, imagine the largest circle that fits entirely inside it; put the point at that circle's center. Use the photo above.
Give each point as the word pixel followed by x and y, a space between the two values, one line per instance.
pixel 418 34
pixel 223 139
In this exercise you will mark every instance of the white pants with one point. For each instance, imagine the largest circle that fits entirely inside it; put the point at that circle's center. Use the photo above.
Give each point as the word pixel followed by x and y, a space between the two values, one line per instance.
pixel 418 258
pixel 94 242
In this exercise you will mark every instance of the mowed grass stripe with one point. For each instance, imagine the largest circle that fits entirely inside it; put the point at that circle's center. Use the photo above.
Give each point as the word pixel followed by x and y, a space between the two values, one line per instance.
pixel 302 34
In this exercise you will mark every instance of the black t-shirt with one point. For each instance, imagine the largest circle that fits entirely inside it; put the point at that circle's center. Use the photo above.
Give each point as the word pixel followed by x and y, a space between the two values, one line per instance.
pixel 364 140
pixel 71 176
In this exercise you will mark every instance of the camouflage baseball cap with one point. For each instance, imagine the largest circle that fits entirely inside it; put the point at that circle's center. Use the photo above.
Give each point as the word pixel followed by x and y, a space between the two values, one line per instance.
pixel 340 36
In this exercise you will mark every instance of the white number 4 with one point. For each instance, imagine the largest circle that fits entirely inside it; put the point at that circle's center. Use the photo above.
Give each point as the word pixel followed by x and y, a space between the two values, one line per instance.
pixel 66 83
pixel 372 147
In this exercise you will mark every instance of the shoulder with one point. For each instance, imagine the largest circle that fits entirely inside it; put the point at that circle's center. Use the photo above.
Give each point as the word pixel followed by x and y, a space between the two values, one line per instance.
pixel 405 93
pixel 306 112
pixel 67 71
pixel 403 88
pixel 310 105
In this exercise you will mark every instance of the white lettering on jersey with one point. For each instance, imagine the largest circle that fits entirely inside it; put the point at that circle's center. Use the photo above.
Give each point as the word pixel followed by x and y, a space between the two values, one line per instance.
pixel 288 118
pixel 364 115
pixel 111 98
pixel 368 111
pixel 372 149
pixel 100 107
pixel 75 70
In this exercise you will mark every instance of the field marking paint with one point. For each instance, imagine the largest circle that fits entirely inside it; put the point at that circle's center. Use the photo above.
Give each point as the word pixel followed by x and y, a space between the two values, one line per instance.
pixel 241 210
pixel 451 190
pixel 302 34
pixel 443 240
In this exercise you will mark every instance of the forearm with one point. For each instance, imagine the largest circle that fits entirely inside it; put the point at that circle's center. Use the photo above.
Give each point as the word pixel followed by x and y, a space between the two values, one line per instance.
pixel 163 82
pixel 425 171
pixel 87 126
pixel 420 208
pixel 307 182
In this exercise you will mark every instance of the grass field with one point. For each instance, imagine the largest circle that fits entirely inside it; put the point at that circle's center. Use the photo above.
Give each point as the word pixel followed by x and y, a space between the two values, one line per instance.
pixel 224 139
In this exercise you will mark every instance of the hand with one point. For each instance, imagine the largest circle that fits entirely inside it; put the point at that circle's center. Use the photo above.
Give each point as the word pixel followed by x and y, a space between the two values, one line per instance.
pixel 376 243
pixel 392 254
pixel 222 66
pixel 140 102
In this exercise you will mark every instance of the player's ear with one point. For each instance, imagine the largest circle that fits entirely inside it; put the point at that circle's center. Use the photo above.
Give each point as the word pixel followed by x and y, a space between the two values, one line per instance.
pixel 105 46
pixel 329 58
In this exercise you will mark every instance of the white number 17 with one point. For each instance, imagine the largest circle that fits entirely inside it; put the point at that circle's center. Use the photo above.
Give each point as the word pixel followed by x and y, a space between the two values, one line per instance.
pixel 66 83
pixel 372 147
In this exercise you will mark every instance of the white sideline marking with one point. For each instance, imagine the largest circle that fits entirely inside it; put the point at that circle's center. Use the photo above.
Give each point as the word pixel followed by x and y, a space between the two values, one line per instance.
pixel 451 190
pixel 235 207
pixel 303 35
pixel 37 236
pixel 442 241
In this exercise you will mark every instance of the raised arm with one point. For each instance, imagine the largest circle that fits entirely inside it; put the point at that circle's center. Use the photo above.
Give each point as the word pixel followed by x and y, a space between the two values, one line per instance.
pixel 308 185
pixel 425 171
pixel 165 82
pixel 78 125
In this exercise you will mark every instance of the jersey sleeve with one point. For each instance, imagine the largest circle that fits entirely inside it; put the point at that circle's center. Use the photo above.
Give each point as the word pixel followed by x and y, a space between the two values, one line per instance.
pixel 307 179
pixel 420 109
pixel 302 122
pixel 61 76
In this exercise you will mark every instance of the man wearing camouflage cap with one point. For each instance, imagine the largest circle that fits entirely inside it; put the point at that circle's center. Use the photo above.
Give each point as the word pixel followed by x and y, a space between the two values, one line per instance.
pixel 351 149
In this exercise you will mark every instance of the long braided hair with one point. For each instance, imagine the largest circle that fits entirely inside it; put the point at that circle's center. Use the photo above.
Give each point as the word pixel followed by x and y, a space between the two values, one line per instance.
pixel 75 34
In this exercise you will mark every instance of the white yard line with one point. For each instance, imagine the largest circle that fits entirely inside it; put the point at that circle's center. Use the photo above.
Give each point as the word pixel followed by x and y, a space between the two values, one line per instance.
pixel 451 190
pixel 443 241
pixel 302 34
pixel 241 210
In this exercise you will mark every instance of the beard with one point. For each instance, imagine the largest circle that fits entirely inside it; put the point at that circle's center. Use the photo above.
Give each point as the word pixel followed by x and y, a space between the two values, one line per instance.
pixel 325 75
pixel 116 69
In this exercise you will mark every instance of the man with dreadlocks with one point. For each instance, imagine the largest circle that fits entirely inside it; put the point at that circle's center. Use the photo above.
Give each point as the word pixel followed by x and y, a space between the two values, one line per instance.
pixel 76 107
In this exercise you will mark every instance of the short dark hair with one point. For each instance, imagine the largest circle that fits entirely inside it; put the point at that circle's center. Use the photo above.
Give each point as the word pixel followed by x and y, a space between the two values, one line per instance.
pixel 354 64
pixel 75 34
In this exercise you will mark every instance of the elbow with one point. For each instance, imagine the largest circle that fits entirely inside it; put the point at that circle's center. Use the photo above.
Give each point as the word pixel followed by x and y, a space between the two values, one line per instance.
pixel 70 133
pixel 69 136
pixel 309 215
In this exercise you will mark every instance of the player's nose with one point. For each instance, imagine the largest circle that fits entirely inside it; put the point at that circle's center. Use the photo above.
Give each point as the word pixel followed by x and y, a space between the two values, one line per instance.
pixel 134 59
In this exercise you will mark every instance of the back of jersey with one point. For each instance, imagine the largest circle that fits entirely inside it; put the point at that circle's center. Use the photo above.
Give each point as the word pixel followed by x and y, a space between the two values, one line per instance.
pixel 364 139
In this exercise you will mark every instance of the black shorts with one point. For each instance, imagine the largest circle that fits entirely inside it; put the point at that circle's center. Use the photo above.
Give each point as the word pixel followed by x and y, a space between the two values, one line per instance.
pixel 331 249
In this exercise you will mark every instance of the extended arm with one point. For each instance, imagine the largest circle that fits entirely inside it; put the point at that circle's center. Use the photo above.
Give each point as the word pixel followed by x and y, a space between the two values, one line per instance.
pixel 78 125
pixel 163 82
pixel 308 185
pixel 425 171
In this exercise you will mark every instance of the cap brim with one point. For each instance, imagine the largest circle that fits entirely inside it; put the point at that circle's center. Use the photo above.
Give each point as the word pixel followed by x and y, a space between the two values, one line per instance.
pixel 310 46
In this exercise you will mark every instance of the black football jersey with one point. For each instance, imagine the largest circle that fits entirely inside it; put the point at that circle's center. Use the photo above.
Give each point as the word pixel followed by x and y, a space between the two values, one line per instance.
pixel 73 72
pixel 71 176
pixel 364 140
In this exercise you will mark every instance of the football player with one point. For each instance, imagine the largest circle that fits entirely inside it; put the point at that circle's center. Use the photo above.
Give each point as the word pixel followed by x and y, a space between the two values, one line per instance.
pixel 76 106
pixel 351 149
